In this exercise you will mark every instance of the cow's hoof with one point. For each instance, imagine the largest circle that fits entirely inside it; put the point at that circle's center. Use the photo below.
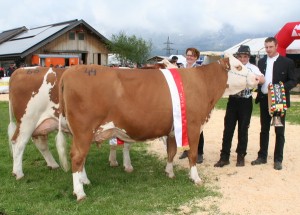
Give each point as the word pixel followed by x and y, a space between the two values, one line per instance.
pixel 128 169
pixel 113 163
pixel 198 182
pixel 18 176
pixel 53 166
pixel 170 174
pixel 80 196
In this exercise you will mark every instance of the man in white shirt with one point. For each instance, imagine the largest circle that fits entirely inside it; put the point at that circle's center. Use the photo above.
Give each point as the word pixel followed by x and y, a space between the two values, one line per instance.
pixel 276 68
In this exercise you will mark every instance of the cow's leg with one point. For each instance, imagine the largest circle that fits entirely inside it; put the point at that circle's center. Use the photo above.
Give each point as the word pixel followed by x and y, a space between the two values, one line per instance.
pixel 113 152
pixel 126 158
pixel 84 179
pixel 171 150
pixel 126 155
pixel 193 155
pixel 18 150
pixel 18 147
pixel 79 150
pixel 41 142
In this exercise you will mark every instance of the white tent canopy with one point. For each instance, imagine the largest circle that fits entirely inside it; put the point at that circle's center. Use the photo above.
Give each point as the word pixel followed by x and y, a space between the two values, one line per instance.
pixel 257 46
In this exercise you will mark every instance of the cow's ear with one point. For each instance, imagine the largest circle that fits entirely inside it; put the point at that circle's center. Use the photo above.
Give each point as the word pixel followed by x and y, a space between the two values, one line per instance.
pixel 227 63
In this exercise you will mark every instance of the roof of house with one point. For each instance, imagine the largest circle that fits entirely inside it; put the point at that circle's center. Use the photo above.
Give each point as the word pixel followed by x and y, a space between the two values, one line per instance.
pixel 6 35
pixel 22 41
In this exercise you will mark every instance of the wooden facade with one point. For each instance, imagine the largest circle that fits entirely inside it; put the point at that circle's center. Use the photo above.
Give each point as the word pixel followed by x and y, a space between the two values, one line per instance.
pixel 77 39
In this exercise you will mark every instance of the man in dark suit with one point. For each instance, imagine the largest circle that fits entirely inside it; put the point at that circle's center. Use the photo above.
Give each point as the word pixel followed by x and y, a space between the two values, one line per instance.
pixel 276 68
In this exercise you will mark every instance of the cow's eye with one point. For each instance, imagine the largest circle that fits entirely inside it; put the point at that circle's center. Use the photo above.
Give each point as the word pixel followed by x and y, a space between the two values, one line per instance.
pixel 239 68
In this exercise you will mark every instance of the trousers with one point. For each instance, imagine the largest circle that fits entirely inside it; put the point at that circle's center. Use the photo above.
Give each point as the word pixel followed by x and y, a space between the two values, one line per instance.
pixel 238 110
pixel 265 122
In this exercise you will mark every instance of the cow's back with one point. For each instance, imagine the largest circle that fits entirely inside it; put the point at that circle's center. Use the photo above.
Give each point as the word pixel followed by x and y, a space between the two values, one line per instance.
pixel 25 83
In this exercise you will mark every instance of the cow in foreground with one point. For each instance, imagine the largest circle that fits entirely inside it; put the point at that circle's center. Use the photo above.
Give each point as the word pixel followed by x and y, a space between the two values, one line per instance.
pixel 135 105
pixel 33 102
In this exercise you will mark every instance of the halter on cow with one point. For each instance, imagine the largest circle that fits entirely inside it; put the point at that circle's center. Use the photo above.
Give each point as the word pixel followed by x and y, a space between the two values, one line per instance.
pixel 135 105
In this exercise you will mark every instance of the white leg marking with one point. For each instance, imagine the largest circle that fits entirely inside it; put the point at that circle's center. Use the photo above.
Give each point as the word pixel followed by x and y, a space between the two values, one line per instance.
pixel 195 176
pixel 169 170
pixel 126 158
pixel 84 179
pixel 18 150
pixel 78 186
pixel 42 144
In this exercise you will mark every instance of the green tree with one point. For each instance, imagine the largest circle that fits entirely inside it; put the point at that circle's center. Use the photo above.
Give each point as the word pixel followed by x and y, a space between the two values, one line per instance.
pixel 130 49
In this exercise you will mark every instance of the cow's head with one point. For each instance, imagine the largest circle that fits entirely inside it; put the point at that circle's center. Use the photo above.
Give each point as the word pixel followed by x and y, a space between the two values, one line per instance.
pixel 238 77
pixel 167 64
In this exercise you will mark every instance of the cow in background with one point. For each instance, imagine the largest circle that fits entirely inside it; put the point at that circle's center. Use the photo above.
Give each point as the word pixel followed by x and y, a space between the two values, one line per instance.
pixel 137 106
pixel 33 102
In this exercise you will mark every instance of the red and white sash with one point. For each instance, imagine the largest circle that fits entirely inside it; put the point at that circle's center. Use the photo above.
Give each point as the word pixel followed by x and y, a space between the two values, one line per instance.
pixel 173 79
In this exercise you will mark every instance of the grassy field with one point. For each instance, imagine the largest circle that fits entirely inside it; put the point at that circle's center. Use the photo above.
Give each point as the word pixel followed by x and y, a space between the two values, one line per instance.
pixel 42 191
pixel 145 191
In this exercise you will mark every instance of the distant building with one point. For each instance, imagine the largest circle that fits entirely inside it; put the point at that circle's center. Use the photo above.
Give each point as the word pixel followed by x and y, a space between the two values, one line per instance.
pixel 59 44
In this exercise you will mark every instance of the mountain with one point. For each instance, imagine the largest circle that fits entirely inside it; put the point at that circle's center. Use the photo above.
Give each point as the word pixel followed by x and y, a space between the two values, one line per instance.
pixel 211 41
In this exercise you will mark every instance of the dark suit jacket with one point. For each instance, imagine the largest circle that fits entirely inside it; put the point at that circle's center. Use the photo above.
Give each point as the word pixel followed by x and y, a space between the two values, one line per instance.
pixel 284 71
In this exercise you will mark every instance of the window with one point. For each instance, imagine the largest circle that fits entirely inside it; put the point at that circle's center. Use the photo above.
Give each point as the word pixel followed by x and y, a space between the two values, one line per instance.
pixel 80 36
pixel 71 35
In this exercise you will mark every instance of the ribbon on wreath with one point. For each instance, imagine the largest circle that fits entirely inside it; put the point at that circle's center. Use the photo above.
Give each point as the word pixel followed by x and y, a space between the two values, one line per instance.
pixel 278 99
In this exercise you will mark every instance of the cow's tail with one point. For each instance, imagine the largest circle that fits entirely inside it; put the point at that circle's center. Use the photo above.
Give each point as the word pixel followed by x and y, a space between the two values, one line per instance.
pixel 11 126
pixel 61 144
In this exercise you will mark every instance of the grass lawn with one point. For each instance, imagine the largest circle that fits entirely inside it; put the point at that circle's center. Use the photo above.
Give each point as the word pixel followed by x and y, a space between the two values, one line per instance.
pixel 146 190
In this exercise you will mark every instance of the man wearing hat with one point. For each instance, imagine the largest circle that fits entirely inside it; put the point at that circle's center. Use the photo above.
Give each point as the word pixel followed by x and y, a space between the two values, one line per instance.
pixel 239 109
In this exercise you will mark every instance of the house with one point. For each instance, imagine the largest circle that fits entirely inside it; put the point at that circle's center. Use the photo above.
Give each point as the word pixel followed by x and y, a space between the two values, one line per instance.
pixel 59 44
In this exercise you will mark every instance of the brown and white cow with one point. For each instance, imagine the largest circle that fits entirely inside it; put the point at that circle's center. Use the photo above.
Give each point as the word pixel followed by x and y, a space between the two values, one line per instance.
pixel 135 105
pixel 33 102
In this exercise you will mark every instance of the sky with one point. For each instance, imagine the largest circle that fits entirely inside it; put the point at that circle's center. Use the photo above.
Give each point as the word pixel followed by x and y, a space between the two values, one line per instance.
pixel 149 19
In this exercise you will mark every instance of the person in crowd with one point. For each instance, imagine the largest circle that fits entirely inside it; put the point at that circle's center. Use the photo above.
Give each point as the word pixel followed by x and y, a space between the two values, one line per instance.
pixel 276 69
pixel 1 72
pixel 238 110
pixel 10 70
pixel 192 55
pixel 174 60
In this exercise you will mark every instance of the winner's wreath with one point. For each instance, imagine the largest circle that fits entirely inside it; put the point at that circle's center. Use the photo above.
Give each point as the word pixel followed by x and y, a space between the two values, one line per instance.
pixel 277 99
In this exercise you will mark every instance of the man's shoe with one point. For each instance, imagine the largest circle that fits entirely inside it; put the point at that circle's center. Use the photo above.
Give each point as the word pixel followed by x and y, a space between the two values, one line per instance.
pixel 184 155
pixel 221 163
pixel 278 165
pixel 240 160
pixel 200 158
pixel 259 161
